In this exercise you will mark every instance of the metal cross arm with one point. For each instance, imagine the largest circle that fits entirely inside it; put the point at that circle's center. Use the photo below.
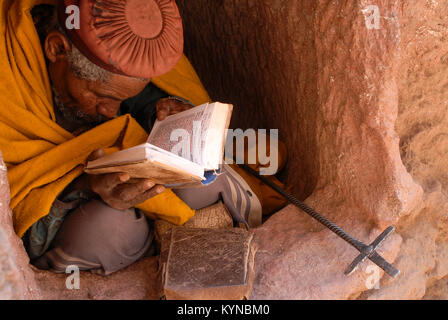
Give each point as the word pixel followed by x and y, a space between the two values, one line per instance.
pixel 366 251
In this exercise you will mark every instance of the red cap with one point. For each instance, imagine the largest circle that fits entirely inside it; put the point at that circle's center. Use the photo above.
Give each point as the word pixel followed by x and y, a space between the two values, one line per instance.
pixel 137 38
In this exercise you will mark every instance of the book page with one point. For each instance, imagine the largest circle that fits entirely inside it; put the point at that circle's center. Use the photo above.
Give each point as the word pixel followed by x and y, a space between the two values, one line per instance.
pixel 216 136
pixel 150 162
pixel 183 134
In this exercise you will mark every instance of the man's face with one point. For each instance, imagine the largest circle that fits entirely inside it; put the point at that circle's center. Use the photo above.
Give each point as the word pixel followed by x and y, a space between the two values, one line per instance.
pixel 82 102
pixel 93 101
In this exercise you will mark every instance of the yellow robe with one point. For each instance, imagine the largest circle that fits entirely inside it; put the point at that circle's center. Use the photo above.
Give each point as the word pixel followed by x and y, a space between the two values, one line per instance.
pixel 43 158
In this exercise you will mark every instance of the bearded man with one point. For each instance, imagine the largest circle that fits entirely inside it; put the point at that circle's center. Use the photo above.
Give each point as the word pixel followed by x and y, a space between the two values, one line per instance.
pixel 70 95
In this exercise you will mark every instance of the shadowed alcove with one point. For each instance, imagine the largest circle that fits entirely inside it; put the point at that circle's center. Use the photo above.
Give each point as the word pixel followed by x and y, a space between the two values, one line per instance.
pixel 261 58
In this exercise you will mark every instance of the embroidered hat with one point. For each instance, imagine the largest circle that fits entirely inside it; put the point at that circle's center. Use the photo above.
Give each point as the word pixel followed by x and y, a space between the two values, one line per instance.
pixel 137 38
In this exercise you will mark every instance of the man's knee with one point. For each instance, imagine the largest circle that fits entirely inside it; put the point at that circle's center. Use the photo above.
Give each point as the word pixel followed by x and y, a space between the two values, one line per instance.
pixel 98 237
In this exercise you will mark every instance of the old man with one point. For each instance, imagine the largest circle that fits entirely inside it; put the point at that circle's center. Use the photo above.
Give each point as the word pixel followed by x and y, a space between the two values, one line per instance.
pixel 73 93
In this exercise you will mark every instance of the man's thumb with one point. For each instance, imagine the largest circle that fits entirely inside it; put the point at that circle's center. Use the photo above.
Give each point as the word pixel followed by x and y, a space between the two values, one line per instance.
pixel 99 153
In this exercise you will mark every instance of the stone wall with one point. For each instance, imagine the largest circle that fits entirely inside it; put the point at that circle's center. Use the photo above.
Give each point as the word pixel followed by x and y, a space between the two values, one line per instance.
pixel 16 277
pixel 260 56
pixel 422 126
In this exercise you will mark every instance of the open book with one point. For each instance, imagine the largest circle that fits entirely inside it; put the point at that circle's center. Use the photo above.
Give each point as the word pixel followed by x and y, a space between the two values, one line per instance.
pixel 179 149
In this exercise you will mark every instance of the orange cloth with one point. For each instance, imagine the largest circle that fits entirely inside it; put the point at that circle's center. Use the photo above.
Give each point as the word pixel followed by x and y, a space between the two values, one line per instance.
pixel 270 200
pixel 42 157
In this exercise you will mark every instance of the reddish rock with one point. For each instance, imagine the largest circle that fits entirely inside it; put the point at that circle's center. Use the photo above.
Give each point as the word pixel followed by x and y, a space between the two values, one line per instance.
pixel 292 263
pixel 139 281
pixel 16 277
pixel 313 70
pixel 332 86
pixel 437 291
pixel 422 126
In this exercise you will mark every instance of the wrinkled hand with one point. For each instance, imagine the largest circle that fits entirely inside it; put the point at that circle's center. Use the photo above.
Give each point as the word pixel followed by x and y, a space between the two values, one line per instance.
pixel 167 107
pixel 119 191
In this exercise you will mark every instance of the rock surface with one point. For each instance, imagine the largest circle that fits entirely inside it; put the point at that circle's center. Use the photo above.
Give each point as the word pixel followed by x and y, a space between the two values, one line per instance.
pixel 16 277
pixel 363 113
pixel 292 263
pixel 437 291
pixel 422 126
pixel 139 281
